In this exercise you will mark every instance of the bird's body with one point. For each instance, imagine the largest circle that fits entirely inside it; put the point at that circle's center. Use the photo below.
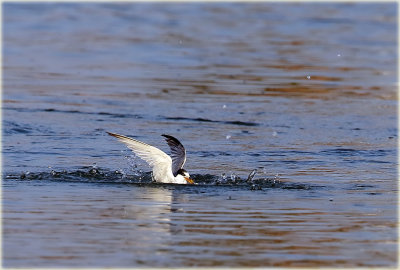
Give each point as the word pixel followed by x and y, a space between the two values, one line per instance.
pixel 165 169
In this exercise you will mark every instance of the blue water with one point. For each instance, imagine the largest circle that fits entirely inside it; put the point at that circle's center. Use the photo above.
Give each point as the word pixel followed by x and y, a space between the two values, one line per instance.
pixel 305 94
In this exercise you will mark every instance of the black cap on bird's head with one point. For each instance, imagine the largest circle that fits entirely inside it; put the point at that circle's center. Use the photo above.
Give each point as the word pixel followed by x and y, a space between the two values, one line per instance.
pixel 185 175
pixel 182 172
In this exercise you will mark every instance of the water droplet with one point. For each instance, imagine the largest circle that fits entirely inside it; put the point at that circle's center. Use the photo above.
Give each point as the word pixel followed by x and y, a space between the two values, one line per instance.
pixel 224 106
pixel 223 178
pixel 251 175
pixel 228 137
pixel 93 171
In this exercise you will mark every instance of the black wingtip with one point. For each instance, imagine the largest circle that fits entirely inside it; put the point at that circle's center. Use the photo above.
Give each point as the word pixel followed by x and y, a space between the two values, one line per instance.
pixel 169 137
pixel 172 138
pixel 115 135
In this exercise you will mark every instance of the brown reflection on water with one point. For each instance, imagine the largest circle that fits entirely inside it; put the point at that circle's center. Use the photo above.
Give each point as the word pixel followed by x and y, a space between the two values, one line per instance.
pixel 190 226
pixel 285 237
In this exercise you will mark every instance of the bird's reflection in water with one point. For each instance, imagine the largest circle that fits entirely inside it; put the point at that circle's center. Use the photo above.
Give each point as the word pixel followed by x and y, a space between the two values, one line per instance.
pixel 150 216
pixel 157 217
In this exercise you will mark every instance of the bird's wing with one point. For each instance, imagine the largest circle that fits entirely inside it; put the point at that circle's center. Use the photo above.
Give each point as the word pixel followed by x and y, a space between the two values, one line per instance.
pixel 178 153
pixel 152 155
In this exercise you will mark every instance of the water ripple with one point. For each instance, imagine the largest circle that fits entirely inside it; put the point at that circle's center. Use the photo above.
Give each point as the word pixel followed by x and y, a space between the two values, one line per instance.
pixel 96 175
pixel 115 115
pixel 239 123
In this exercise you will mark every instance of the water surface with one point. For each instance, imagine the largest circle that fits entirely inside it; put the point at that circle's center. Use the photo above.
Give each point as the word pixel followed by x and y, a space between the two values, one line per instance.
pixel 306 94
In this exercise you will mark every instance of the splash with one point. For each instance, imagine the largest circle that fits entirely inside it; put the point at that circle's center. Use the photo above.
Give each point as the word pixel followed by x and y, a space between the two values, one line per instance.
pixel 93 174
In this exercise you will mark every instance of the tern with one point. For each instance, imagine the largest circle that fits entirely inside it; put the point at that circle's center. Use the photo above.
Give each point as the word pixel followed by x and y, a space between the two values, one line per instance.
pixel 165 169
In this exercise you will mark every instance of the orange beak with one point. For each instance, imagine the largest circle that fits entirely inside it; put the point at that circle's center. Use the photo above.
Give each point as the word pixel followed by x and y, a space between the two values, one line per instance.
pixel 190 181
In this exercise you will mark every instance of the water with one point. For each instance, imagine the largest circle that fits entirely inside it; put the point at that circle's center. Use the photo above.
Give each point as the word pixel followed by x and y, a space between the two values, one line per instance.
pixel 306 94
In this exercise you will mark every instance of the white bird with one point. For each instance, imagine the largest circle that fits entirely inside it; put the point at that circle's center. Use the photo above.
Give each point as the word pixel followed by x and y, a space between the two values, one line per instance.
pixel 165 169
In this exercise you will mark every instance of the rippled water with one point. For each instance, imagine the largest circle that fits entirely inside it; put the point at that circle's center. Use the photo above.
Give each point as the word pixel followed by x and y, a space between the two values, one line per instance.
pixel 306 94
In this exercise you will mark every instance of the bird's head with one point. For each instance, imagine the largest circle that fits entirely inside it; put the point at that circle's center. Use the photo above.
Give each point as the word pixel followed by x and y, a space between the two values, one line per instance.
pixel 183 173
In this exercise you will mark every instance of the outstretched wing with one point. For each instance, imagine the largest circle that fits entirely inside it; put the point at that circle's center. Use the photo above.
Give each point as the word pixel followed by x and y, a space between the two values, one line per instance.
pixel 178 153
pixel 152 155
